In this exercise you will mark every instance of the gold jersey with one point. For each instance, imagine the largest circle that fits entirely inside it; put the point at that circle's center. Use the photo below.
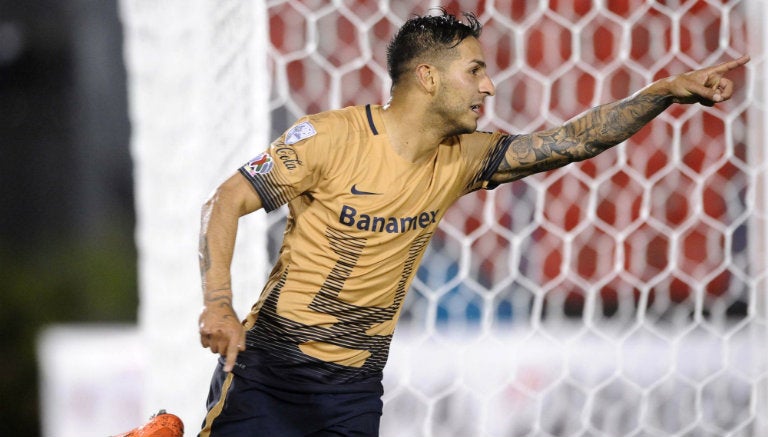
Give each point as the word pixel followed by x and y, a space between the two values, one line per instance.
pixel 360 218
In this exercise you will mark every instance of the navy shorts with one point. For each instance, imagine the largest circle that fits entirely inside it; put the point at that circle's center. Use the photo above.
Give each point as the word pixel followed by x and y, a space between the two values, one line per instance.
pixel 240 407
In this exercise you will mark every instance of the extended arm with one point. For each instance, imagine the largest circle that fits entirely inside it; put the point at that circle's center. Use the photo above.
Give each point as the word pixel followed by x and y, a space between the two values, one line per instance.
pixel 603 127
pixel 220 328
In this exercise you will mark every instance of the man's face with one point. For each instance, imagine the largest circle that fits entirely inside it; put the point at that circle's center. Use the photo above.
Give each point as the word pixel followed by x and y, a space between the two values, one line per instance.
pixel 464 86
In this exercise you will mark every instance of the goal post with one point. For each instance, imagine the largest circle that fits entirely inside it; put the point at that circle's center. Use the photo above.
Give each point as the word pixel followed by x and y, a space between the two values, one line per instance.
pixel 624 295
pixel 197 79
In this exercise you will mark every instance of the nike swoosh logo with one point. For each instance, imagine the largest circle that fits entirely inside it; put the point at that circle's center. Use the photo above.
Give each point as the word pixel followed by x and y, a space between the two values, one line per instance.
pixel 361 192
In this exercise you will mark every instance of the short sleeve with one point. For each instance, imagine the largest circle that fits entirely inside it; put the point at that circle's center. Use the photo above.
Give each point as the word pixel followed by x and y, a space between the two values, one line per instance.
pixel 291 165
pixel 483 153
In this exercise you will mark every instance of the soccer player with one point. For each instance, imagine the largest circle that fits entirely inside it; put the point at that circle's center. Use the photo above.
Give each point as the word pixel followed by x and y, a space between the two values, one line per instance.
pixel 366 187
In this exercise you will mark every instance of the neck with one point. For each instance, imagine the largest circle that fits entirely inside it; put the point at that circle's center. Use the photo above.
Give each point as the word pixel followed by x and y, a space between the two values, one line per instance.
pixel 412 133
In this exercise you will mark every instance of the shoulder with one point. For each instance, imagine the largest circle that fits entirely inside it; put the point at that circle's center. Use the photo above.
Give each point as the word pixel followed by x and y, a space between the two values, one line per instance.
pixel 316 127
pixel 479 142
pixel 338 120
pixel 325 136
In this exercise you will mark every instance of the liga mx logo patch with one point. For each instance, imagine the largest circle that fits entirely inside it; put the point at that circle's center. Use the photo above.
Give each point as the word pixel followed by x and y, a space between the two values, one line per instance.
pixel 301 131
pixel 261 164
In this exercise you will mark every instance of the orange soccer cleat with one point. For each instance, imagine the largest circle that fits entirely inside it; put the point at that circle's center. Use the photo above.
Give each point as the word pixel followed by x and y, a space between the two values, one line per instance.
pixel 161 424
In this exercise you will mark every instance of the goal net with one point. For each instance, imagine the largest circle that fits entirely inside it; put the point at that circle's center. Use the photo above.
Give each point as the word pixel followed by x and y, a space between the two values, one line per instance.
pixel 624 295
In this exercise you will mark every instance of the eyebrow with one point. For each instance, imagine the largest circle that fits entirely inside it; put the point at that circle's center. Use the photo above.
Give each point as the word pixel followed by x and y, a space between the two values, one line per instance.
pixel 479 62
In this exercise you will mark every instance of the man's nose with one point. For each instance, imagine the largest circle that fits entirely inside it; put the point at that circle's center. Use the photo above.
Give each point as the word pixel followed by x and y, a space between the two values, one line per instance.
pixel 487 86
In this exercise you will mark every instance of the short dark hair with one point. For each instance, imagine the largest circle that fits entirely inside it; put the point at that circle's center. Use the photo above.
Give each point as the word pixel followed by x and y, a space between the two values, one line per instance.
pixel 427 37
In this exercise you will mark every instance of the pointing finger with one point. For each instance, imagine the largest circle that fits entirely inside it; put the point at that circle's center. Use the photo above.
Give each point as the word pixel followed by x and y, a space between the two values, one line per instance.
pixel 730 65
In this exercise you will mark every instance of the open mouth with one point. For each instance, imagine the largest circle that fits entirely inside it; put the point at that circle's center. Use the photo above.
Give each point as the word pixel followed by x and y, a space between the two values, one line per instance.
pixel 475 108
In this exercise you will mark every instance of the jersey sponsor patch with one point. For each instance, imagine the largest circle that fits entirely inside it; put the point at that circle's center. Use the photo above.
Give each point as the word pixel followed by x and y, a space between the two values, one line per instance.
pixel 301 131
pixel 261 164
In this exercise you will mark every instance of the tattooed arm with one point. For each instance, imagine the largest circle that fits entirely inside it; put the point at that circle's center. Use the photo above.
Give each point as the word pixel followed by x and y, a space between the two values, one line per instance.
pixel 220 328
pixel 603 127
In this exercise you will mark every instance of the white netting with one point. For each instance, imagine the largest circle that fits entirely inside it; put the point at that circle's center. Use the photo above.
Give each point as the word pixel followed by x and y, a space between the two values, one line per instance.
pixel 620 296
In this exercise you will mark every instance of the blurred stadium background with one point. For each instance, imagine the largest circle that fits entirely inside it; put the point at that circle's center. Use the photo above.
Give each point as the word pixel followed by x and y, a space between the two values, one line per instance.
pixel 621 296
pixel 67 250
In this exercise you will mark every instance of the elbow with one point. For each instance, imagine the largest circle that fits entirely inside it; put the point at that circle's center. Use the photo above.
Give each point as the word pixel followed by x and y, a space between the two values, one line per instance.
pixel 210 201
pixel 206 210
pixel 231 198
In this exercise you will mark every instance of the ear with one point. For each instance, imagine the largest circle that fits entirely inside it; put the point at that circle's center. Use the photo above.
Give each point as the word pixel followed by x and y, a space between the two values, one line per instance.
pixel 427 77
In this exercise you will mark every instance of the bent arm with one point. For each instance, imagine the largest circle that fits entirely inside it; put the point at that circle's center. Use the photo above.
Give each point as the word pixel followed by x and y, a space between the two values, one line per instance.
pixel 220 329
pixel 605 126
pixel 218 230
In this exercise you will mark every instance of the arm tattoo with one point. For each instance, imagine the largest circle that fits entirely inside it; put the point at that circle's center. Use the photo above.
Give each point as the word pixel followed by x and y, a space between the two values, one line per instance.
pixel 581 138
pixel 204 255
pixel 608 125
pixel 221 297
